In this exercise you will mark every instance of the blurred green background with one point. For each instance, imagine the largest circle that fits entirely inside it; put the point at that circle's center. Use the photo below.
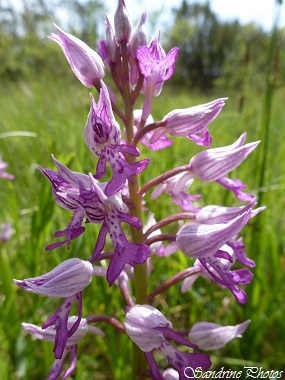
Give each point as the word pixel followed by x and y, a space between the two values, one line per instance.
pixel 43 110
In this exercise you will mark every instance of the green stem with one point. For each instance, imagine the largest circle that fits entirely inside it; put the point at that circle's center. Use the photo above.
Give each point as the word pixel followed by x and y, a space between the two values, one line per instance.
pixel 140 271
pixel 267 108
pixel 173 281
pixel 163 177
pixel 145 130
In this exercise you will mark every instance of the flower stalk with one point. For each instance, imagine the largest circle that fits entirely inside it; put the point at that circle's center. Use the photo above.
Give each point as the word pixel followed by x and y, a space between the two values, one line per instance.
pixel 140 271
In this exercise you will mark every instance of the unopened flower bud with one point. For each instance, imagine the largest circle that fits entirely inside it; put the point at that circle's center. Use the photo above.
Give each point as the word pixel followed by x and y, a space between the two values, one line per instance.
pixel 110 42
pixel 122 23
pixel 86 64
pixel 138 37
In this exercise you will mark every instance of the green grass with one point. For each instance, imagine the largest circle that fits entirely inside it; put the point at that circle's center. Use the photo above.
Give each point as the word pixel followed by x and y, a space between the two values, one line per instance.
pixel 55 111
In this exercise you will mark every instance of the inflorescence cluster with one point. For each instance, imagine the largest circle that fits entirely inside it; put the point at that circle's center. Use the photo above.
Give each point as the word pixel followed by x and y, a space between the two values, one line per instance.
pixel 209 234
